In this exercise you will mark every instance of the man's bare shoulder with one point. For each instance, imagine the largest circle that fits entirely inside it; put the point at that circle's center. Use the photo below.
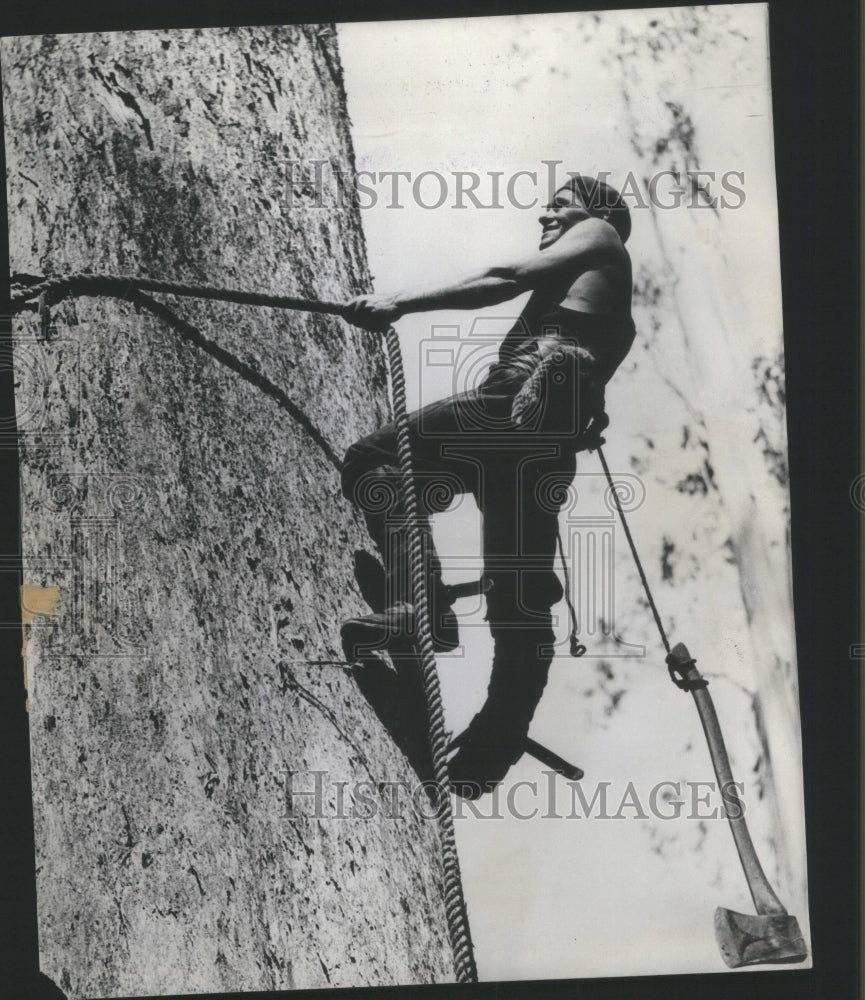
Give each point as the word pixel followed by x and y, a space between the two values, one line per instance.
pixel 593 235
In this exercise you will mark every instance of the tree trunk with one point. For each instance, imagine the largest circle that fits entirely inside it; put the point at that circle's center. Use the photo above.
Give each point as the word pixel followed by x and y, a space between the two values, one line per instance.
pixel 195 529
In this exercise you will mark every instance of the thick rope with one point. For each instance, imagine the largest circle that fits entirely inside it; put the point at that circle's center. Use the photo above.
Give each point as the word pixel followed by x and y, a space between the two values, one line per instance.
pixel 639 565
pixel 247 372
pixel 53 289
pixel 455 906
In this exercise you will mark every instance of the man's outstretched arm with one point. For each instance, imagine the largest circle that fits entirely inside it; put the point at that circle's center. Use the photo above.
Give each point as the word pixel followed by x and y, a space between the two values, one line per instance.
pixel 586 246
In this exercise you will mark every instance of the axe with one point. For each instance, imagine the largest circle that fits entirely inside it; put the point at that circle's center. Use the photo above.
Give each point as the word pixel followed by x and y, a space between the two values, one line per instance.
pixel 771 936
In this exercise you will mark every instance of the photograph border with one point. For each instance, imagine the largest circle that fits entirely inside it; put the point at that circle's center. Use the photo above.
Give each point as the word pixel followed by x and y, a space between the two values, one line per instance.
pixel 815 87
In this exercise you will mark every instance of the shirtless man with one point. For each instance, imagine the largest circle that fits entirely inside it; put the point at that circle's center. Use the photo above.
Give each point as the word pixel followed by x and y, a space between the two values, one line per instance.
pixel 514 457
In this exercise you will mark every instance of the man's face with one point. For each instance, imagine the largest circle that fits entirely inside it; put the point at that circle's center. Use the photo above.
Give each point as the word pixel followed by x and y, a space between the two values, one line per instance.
pixel 565 210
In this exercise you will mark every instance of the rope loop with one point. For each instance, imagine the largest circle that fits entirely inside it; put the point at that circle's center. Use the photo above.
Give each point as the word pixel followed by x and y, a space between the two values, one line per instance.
pixel 39 294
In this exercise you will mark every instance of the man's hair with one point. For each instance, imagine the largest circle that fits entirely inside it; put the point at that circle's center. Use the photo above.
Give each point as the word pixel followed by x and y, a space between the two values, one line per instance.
pixel 601 201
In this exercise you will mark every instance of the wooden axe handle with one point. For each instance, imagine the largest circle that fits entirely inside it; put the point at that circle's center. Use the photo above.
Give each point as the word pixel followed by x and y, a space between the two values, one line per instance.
pixel 765 900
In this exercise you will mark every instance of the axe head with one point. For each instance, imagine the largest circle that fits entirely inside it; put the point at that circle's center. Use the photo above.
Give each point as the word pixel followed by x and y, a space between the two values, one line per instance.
pixel 755 939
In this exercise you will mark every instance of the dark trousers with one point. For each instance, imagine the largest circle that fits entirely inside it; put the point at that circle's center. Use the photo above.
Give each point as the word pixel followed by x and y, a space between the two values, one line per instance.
pixel 519 479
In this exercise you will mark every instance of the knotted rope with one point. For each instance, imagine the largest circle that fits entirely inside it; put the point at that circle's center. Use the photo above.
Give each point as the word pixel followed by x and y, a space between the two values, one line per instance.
pixel 42 295
pixel 455 906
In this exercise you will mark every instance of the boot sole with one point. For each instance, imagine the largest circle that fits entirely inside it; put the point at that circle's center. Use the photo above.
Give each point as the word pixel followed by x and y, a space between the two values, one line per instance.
pixel 359 635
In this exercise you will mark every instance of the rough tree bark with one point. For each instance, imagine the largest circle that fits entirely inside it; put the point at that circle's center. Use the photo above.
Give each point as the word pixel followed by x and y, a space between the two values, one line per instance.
pixel 195 531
